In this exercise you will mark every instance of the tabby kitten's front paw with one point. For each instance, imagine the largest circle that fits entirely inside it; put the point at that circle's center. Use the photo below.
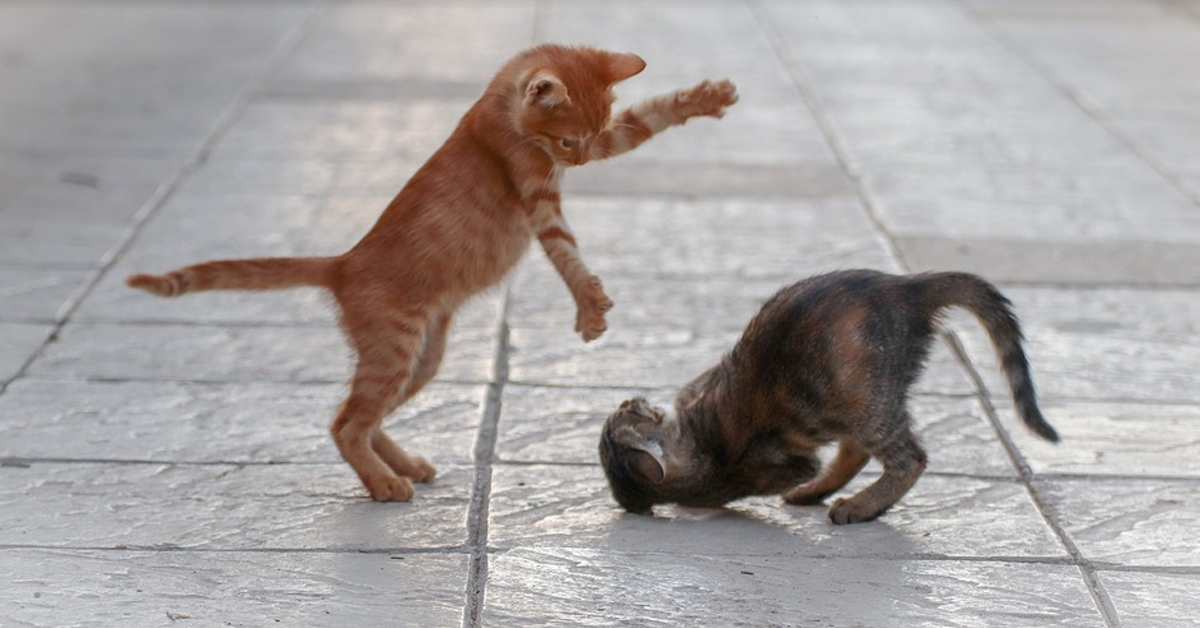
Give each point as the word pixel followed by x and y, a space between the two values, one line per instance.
pixel 706 99
pixel 592 304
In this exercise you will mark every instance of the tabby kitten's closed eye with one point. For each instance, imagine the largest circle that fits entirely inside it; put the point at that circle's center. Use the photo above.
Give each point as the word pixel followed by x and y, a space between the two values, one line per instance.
pixel 830 358
pixel 457 227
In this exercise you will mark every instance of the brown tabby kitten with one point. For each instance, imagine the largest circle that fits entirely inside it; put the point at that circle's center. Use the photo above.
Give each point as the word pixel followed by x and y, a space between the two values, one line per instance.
pixel 458 226
pixel 830 358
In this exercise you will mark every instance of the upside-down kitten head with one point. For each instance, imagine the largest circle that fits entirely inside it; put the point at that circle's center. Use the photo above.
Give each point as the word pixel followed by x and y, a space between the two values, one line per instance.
pixel 565 97
pixel 631 451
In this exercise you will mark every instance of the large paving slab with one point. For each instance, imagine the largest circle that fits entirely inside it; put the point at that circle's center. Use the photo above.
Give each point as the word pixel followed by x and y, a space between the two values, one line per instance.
pixel 363 131
pixel 1153 600
pixel 37 294
pixel 90 90
pixel 18 343
pixel 223 507
pixel 1116 439
pixel 1121 345
pixel 634 237
pixel 69 588
pixel 380 51
pixel 231 353
pixel 235 423
pixel 1139 522
pixel 597 586
pixel 1128 62
pixel 556 505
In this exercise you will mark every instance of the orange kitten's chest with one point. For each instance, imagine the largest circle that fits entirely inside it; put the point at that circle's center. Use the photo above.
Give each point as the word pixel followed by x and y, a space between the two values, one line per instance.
pixel 493 245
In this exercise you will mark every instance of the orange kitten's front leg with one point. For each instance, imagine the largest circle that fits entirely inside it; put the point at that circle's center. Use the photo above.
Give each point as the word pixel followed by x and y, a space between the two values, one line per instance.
pixel 547 222
pixel 635 125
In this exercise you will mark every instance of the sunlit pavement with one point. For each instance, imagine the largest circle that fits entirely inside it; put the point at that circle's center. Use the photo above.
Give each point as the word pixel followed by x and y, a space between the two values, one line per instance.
pixel 168 462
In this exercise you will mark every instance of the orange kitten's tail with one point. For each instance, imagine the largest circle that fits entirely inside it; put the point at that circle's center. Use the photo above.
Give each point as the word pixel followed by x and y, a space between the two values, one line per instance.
pixel 269 273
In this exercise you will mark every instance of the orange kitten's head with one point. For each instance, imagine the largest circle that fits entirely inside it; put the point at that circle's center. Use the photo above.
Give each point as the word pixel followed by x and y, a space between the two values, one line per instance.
pixel 564 96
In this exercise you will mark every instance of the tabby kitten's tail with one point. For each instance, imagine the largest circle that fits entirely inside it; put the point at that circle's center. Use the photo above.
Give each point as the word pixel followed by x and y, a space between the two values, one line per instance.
pixel 994 311
pixel 268 273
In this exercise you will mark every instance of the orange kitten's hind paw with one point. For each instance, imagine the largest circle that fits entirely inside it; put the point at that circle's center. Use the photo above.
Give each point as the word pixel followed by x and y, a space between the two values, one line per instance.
pixel 390 489
pixel 592 305
pixel 709 98
pixel 424 472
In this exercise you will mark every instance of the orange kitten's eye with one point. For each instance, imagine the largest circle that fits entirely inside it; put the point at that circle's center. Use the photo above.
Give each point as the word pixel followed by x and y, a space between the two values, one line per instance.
pixel 569 142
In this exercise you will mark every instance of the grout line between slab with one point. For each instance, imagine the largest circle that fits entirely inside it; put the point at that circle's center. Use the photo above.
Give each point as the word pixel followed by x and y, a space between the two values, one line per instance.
pixel 1087 569
pixel 484 455
pixel 165 190
pixel 485 440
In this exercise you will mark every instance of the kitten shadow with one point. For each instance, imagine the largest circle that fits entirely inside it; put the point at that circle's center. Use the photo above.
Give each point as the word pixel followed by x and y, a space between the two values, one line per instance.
pixel 756 527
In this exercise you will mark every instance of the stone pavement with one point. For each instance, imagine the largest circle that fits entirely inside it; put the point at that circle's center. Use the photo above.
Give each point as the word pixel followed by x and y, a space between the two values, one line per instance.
pixel 167 462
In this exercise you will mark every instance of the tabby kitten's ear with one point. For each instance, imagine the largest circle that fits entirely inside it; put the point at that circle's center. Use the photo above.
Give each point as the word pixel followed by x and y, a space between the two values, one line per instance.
pixel 546 91
pixel 622 65
pixel 647 464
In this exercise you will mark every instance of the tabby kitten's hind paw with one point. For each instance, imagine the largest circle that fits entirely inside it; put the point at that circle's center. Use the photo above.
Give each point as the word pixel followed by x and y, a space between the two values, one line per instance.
pixel 854 510
pixel 805 495
pixel 709 98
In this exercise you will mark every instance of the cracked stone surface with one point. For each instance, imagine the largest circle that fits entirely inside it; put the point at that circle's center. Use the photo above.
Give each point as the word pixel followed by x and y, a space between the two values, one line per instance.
pixel 168 462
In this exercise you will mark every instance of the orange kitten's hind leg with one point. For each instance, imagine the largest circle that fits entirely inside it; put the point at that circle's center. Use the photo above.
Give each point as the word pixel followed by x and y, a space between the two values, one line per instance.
pixel 413 467
pixel 389 345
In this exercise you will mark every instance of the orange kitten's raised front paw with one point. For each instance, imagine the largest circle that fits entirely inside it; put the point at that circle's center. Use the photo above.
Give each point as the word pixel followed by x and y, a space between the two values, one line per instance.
pixel 709 98
pixel 592 304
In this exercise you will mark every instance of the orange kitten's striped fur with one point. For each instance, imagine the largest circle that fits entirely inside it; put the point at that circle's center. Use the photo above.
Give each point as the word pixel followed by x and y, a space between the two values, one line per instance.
pixel 458 226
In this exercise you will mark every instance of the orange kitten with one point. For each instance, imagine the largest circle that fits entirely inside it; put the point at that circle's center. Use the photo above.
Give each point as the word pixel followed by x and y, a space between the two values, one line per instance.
pixel 458 226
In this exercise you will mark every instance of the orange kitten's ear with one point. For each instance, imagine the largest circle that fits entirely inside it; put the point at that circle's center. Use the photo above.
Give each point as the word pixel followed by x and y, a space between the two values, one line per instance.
pixel 545 90
pixel 622 65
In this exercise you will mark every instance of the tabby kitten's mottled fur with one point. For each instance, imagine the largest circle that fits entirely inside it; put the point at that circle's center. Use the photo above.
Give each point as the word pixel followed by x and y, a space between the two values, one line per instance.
pixel 457 227
pixel 830 358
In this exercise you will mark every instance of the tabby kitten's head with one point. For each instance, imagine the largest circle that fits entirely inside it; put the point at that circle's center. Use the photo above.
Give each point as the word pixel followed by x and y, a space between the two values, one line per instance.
pixel 631 451
pixel 565 97
pixel 650 457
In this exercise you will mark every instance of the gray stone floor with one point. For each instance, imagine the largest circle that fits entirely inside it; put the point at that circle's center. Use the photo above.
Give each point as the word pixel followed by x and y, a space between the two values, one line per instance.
pixel 167 463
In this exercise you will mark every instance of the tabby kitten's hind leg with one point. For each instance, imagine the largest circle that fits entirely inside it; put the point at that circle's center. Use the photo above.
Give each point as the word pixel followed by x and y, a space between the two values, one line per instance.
pixel 849 460
pixel 903 462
